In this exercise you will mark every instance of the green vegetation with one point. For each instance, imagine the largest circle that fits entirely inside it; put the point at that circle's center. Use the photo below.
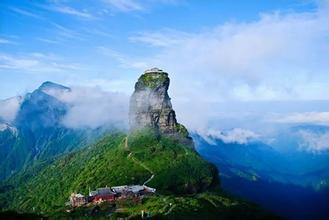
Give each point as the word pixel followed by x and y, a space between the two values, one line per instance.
pixel 199 206
pixel 176 170
pixel 182 130
pixel 179 174
pixel 153 80
pixel 16 215
pixel 21 153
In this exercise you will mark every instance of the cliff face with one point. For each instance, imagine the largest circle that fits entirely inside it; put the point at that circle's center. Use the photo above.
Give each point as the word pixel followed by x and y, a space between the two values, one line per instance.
pixel 150 105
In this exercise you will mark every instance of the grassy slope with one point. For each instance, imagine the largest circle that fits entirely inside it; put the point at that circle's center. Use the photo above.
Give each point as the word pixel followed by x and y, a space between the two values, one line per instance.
pixel 178 169
pixel 107 163
pixel 116 160
pixel 198 206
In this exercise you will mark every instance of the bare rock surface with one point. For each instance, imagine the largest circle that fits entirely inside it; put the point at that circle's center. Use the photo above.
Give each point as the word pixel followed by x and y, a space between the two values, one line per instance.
pixel 150 106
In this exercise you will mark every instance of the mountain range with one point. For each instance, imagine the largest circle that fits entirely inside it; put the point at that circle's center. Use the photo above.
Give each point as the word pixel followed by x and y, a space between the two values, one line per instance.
pixel 53 160
pixel 36 147
pixel 37 132
pixel 280 175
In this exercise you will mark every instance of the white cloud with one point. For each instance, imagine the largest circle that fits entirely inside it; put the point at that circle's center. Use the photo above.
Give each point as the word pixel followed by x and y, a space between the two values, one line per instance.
pixel 70 11
pixel 36 63
pixel 236 135
pixel 165 38
pixel 9 108
pixel 320 118
pixel 269 59
pixel 139 5
pixel 314 142
pixel 66 33
pixel 25 13
pixel 125 5
pixel 113 85
pixel 91 107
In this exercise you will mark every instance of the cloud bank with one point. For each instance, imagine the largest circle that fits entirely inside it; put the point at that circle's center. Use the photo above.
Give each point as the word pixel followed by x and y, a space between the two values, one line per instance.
pixel 91 107
pixel 257 60
pixel 314 142
pixel 9 108
pixel 320 118
pixel 236 135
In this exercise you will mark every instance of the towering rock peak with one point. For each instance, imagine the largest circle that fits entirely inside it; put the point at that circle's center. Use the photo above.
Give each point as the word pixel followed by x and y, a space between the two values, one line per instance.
pixel 153 79
pixel 150 106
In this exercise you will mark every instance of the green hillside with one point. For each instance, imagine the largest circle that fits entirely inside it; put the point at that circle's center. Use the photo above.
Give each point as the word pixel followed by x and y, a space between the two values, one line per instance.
pixel 177 172
pixel 197 206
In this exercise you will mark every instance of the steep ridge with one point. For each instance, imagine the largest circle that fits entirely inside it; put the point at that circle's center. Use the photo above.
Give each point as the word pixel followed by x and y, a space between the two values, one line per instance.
pixel 39 132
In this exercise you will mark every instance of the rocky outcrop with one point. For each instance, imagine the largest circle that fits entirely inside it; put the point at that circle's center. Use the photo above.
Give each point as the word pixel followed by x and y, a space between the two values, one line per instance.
pixel 150 106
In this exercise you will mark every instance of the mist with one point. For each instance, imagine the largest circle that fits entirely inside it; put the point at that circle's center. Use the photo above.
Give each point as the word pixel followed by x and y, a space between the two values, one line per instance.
pixel 9 108
pixel 92 107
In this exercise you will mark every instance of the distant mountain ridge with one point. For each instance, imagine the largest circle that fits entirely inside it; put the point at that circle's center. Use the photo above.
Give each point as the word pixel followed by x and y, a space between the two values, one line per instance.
pixel 39 132
pixel 264 172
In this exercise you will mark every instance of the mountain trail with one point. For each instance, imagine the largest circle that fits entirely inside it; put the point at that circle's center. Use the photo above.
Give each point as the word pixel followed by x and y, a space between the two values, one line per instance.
pixel 170 210
pixel 130 155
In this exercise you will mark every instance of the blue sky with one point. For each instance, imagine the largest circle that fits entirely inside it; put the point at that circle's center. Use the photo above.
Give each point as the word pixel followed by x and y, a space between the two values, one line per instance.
pixel 214 51
pixel 73 42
